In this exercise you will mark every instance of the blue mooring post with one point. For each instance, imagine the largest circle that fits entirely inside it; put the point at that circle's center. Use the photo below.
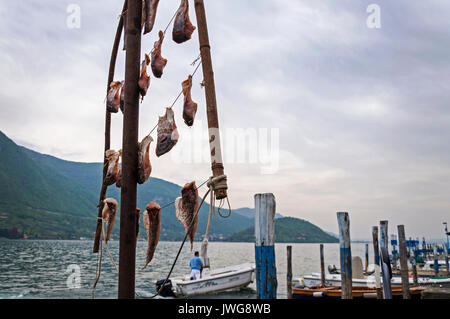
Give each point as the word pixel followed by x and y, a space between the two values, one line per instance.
pixel 266 272
pixel 346 254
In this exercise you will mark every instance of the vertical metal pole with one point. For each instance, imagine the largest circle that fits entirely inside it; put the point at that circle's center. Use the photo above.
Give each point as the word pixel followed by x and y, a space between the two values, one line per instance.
pixel 266 272
pixel 367 258
pixel 112 67
pixel 289 272
pixel 403 261
pixel 346 254
pixel 385 262
pixel 127 248
pixel 376 254
pixel 322 267
pixel 210 93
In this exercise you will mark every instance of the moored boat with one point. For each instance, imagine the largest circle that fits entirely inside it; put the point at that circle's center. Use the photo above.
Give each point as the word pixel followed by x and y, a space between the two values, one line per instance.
pixel 357 292
pixel 218 280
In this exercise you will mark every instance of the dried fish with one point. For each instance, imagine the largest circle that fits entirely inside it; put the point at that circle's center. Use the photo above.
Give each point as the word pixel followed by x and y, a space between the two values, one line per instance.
pixel 189 107
pixel 182 26
pixel 167 133
pixel 144 165
pixel 113 97
pixel 151 6
pixel 186 208
pixel 113 170
pixel 144 79
pixel 158 62
pixel 109 215
pixel 152 224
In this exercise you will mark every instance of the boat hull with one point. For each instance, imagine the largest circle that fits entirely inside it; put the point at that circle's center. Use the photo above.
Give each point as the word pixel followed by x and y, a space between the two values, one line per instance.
pixel 217 281
pixel 357 293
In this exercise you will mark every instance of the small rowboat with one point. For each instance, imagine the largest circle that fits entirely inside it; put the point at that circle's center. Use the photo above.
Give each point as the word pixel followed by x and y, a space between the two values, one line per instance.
pixel 357 292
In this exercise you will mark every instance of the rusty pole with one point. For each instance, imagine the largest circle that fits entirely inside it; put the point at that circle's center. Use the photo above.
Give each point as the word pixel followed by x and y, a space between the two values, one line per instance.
pixel 112 67
pixel 127 247
pixel 210 93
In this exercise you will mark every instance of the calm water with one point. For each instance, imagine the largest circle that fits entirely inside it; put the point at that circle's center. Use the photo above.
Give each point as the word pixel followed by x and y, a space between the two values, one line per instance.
pixel 39 268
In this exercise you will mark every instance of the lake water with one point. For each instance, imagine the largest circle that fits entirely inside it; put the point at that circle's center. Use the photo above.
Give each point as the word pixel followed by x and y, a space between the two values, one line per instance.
pixel 41 268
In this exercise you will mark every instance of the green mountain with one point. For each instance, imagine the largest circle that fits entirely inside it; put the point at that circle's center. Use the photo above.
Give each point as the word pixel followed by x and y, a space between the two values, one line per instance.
pixel 289 230
pixel 46 197
pixel 42 196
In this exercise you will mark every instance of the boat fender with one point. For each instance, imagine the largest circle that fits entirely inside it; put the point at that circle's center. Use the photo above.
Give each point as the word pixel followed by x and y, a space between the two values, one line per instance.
pixel 318 294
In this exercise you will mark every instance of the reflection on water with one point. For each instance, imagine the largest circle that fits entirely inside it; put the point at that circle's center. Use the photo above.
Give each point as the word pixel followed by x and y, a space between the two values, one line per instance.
pixel 39 268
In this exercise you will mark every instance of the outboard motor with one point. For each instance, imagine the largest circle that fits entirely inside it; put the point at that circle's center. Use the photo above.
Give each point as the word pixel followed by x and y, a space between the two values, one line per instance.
pixel 332 269
pixel 166 291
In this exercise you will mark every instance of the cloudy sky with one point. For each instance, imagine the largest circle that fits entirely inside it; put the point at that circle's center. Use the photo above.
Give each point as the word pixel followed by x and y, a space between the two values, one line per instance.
pixel 330 115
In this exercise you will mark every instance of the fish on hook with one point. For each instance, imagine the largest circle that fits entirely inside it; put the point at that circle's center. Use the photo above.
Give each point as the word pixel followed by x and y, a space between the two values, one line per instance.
pixel 186 208
pixel 109 213
pixel 152 225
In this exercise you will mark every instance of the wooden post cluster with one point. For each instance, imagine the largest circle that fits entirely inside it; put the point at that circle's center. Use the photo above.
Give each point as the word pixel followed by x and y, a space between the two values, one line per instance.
pixel 376 254
pixel 385 262
pixel 266 272
pixel 345 254
pixel 403 261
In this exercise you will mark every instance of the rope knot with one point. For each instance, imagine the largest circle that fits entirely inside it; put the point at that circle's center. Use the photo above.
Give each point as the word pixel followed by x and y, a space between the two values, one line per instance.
pixel 218 182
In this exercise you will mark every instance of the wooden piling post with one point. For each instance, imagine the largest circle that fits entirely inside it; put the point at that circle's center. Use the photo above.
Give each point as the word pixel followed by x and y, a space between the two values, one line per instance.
pixel 266 272
pixel 127 246
pixel 385 262
pixel 112 67
pixel 366 264
pixel 376 254
pixel 322 267
pixel 345 254
pixel 403 261
pixel 436 263
pixel 211 104
pixel 289 272
pixel 414 270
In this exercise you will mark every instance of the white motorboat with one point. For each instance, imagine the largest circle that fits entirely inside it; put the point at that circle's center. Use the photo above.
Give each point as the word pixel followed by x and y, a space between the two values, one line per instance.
pixel 217 280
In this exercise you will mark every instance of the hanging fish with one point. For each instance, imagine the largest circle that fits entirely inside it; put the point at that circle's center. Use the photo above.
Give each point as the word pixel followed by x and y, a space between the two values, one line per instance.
pixel 122 96
pixel 167 133
pixel 182 26
pixel 151 6
pixel 113 97
pixel 109 215
pixel 144 80
pixel 144 165
pixel 113 170
pixel 158 62
pixel 119 174
pixel 152 224
pixel 189 107
pixel 186 208
pixel 138 215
